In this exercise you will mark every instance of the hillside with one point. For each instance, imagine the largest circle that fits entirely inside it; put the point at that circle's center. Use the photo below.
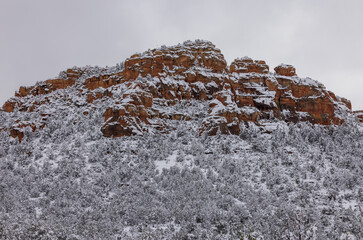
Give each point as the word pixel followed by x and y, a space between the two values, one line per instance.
pixel 173 143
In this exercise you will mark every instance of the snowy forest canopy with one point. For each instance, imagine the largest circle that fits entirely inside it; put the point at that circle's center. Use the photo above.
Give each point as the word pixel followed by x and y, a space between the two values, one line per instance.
pixel 294 181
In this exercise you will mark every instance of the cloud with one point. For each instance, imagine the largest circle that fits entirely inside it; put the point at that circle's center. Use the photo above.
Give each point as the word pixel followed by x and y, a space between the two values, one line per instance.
pixel 321 38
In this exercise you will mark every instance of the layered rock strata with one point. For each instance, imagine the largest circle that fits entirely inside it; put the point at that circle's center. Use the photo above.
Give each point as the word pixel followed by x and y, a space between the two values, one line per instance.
pixel 193 71
pixel 359 115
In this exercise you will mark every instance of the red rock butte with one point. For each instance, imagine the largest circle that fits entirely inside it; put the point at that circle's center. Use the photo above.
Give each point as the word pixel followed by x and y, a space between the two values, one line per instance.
pixel 193 71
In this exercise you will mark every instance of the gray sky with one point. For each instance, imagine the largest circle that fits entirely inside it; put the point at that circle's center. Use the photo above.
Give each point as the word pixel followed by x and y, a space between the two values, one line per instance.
pixel 322 39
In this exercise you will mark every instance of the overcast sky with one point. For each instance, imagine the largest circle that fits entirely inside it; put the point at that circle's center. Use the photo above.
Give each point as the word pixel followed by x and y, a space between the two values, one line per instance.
pixel 322 39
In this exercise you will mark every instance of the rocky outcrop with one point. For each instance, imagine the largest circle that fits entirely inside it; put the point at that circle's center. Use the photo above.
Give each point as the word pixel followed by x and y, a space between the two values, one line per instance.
pixel 159 79
pixel 246 65
pixel 285 96
pixel 359 115
pixel 104 81
pixel 195 70
pixel 9 106
pixel 17 130
pixel 125 120
pixel 285 70
pixel 70 76
pixel 176 60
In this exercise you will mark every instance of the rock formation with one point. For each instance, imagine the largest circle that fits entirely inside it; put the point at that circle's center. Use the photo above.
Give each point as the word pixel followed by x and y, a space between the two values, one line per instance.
pixel 143 87
pixel 359 115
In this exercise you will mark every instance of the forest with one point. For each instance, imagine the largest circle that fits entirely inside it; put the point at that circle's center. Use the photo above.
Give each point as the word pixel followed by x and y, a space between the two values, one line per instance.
pixel 276 181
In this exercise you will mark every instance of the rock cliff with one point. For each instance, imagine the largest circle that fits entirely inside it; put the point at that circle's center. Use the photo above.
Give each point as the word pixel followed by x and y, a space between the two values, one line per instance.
pixel 359 115
pixel 145 91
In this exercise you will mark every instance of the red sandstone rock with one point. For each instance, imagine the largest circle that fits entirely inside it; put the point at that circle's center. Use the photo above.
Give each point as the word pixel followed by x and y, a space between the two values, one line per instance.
pixel 249 91
pixel 23 91
pixel 347 103
pixel 359 115
pixel 97 95
pixel 9 106
pixel 16 131
pixel 139 98
pixel 47 87
pixel 59 83
pixel 285 70
pixel 214 125
pixel 198 71
pixel 175 60
pixel 246 65
pixel 104 81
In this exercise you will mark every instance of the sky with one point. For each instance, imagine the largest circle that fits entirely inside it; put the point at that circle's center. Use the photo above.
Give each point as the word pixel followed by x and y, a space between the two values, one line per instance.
pixel 322 39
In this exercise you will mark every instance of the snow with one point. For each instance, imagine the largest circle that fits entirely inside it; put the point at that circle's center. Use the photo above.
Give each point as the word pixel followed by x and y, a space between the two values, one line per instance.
pixel 218 108
pixel 249 110
pixel 212 84
pixel 283 65
pixel 161 175
pixel 309 82
pixel 38 212
pixel 166 186
pixel 244 58
pixel 171 161
pixel 265 100
pixel 273 126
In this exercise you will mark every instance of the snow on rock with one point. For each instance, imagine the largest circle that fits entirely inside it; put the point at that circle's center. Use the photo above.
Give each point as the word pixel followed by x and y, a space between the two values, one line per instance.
pixel 66 171
pixel 359 115
pixel 285 70
pixel 138 91
pixel 247 65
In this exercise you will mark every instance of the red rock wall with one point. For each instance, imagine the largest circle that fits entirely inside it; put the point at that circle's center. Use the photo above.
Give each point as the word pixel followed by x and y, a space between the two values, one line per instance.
pixel 359 115
pixel 247 91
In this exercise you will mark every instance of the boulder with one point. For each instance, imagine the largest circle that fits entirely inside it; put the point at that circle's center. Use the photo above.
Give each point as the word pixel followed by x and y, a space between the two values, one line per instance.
pixel 359 115
pixel 9 106
pixel 17 130
pixel 285 70
pixel 247 65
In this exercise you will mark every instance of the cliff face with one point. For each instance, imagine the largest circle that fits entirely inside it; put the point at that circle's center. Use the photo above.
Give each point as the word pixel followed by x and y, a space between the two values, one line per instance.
pixel 145 91
pixel 359 115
